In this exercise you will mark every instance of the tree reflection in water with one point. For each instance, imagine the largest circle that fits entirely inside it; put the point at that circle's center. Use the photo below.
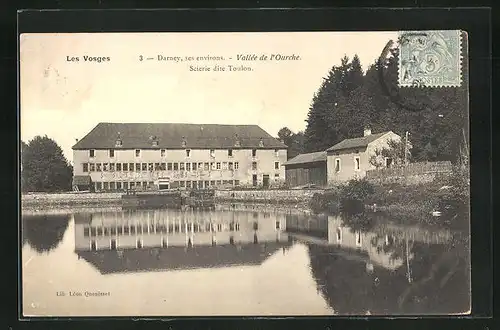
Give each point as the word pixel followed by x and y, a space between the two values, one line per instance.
pixel 433 279
pixel 44 232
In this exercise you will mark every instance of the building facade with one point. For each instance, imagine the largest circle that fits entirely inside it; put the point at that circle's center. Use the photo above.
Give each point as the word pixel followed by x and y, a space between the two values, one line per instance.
pixel 349 159
pixel 144 156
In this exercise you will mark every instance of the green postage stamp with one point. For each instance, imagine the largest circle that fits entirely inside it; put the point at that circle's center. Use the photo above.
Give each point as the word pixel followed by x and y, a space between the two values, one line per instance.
pixel 430 58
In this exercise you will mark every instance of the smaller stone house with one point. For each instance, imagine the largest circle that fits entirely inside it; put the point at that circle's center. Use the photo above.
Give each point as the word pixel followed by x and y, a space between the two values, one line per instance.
pixel 348 159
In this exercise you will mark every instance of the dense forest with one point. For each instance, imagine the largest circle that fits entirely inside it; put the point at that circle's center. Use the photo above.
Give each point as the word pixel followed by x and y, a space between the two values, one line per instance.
pixel 349 99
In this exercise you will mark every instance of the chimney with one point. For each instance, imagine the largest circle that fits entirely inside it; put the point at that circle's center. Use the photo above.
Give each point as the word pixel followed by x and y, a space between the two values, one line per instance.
pixel 367 131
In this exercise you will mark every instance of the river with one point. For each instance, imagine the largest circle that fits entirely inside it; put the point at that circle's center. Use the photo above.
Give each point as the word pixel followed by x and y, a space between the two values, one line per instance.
pixel 238 260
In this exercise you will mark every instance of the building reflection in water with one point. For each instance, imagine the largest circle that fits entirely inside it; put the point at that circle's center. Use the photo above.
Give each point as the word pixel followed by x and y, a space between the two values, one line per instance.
pixel 387 269
pixel 168 239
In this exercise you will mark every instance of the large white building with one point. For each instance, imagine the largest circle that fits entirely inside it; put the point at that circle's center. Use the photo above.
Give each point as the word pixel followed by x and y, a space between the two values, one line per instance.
pixel 120 156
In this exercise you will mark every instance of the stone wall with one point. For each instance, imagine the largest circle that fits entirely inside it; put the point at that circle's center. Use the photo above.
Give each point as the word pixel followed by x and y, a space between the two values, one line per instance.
pixel 264 196
pixel 414 173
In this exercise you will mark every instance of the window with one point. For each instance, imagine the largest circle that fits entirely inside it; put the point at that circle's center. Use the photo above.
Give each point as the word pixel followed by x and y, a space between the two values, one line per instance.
pixel 144 166
pixel 169 166
pixel 118 167
pixel 105 167
pixel 188 153
pixel 219 182
pixel 358 238
pixel 188 184
pixel 254 152
pixel 278 225
pixel 155 143
pixel 163 166
pixel 276 152
pixel 183 183
pixel 182 167
pixel 98 167
pixel 388 162
pixel 150 167
pixel 207 184
pixel 112 167
pixel 162 152
pixel 212 153
pixel 200 166
pixel 339 234
pixel 230 153
pixel 137 167
pixel 139 244
pixel 337 165
pixel 111 153
pixel 144 185
pixel 218 165
pixel 92 153
pixel 276 176
pixel 125 166
pixel 276 165
pixel 85 167
pixel 236 182
pixel 212 166
pixel 224 165
pixel 207 166
pixel 131 167
pixel 92 167
pixel 176 166
pixel 112 185
pixel 230 166
pixel 356 163
pixel 188 166
pixel 157 166
pixel 137 152
pixel 119 185
pixel 105 185
pixel 236 165
pixel 194 166
pixel 254 166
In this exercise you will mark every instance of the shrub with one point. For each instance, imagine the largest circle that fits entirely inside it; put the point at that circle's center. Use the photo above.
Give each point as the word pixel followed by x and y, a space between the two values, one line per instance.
pixel 354 195
pixel 327 201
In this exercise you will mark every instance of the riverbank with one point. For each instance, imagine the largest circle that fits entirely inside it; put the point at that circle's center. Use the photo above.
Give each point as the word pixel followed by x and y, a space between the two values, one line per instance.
pixel 295 198
pixel 443 201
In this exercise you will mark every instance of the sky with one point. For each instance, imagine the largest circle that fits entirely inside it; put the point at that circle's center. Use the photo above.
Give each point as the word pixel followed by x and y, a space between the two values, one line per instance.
pixel 64 99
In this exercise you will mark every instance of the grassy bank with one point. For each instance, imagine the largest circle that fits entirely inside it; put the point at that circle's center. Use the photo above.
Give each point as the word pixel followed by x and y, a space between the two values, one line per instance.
pixel 403 203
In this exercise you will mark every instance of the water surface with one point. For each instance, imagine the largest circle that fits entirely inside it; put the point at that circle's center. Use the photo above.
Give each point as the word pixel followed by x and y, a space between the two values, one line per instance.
pixel 237 260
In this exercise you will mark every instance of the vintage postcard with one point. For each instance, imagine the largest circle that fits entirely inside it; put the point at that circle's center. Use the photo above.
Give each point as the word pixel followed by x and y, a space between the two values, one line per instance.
pixel 245 174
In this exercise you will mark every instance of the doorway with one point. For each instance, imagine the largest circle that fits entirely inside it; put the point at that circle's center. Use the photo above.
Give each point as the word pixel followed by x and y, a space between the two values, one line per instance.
pixel 254 180
pixel 265 180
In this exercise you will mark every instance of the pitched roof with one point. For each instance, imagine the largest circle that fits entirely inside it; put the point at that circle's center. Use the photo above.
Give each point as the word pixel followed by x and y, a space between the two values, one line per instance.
pixel 357 142
pixel 172 135
pixel 176 258
pixel 312 157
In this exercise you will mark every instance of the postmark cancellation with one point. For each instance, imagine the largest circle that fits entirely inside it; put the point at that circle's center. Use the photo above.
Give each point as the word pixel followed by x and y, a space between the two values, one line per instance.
pixel 430 58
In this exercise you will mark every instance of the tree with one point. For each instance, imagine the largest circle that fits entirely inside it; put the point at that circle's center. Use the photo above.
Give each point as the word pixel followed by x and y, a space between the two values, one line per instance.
pixel 295 142
pixel 44 167
pixel 24 146
pixel 395 150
